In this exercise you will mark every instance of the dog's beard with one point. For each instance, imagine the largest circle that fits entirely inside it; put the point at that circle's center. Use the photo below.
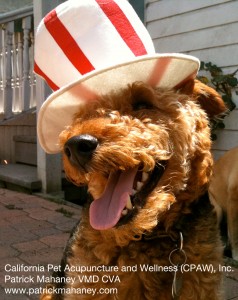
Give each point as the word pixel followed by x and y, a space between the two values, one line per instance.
pixel 125 193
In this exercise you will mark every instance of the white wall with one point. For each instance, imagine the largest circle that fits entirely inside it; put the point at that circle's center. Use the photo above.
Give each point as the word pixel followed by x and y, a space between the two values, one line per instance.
pixel 207 29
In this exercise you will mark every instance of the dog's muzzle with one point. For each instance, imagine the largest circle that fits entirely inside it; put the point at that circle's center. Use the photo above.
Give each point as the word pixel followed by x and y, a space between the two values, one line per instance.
pixel 80 148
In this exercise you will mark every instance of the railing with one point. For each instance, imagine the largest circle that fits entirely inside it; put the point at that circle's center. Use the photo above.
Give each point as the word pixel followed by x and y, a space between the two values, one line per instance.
pixel 17 80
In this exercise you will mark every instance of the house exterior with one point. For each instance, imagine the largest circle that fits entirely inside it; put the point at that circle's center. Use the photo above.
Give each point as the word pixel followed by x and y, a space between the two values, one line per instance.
pixel 11 5
pixel 206 29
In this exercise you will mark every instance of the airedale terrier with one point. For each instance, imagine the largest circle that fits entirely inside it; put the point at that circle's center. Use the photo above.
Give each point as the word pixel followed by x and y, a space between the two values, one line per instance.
pixel 133 126
pixel 145 156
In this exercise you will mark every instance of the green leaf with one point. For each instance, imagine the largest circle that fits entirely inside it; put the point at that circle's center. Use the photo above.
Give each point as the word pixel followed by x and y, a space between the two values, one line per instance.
pixel 232 81
pixel 208 65
pixel 221 125
pixel 232 105
pixel 202 65
pixel 228 101
pixel 226 98
pixel 204 79
pixel 219 78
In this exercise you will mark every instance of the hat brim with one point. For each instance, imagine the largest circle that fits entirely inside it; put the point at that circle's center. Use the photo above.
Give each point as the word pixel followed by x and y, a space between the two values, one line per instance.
pixel 159 70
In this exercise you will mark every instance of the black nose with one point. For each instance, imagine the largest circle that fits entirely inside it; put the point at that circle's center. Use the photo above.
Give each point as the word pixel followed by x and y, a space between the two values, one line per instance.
pixel 80 148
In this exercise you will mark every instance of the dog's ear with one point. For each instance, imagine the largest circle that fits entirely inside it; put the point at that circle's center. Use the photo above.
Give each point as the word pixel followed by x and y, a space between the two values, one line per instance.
pixel 206 96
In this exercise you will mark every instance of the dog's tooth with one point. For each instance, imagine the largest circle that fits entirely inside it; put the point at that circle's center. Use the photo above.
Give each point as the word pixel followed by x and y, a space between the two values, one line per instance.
pixel 128 204
pixel 133 192
pixel 139 185
pixel 151 147
pixel 124 212
pixel 145 176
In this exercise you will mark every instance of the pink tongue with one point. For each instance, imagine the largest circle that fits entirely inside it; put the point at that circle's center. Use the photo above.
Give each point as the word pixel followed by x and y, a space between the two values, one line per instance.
pixel 105 212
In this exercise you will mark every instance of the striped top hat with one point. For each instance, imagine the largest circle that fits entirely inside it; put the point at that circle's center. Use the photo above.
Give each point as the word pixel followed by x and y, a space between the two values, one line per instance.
pixel 86 48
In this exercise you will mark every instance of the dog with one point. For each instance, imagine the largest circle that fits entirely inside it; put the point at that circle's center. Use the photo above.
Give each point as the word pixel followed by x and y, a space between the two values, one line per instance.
pixel 133 126
pixel 145 156
pixel 223 193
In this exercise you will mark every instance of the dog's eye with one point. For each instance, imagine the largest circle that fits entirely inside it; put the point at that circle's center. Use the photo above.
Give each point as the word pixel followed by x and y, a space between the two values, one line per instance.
pixel 142 105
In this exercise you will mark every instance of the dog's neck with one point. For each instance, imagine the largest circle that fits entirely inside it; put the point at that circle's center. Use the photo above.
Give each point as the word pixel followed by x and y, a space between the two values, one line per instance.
pixel 191 213
pixel 168 228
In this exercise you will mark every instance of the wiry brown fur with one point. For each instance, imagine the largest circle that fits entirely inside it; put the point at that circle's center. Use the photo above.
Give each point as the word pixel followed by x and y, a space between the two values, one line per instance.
pixel 172 128
pixel 223 192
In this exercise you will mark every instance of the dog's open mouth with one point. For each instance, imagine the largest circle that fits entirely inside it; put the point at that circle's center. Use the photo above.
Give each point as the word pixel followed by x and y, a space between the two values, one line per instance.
pixel 124 194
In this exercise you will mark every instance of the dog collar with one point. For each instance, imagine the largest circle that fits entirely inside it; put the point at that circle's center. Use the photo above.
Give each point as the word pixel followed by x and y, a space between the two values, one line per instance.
pixel 178 250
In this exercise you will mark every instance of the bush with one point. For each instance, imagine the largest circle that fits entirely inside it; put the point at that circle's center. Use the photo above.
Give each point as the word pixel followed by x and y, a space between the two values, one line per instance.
pixel 224 84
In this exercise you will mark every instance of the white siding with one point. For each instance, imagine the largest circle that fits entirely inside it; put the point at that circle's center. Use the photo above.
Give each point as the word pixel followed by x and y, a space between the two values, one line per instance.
pixel 207 29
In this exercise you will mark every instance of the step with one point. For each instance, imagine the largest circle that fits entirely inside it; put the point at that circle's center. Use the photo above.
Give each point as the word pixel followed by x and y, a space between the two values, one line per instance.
pixel 74 194
pixel 27 118
pixel 19 177
pixel 25 149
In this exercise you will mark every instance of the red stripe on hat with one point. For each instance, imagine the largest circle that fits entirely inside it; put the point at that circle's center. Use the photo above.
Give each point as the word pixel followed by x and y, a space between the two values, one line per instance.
pixel 42 74
pixel 158 71
pixel 67 43
pixel 84 92
pixel 123 26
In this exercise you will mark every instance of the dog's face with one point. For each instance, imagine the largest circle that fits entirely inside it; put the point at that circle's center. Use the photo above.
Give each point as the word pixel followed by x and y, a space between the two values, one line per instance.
pixel 139 151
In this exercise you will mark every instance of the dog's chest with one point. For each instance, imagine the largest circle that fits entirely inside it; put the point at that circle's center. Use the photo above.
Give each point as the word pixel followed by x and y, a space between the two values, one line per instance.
pixel 142 268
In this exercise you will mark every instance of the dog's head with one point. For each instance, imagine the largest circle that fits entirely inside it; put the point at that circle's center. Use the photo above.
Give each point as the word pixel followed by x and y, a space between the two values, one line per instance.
pixel 140 150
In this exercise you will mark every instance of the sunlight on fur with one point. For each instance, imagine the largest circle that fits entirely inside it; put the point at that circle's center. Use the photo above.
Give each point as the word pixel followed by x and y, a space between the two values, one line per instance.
pixel 145 156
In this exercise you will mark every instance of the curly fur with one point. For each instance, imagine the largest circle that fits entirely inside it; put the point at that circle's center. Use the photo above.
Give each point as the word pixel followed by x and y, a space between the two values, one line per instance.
pixel 141 126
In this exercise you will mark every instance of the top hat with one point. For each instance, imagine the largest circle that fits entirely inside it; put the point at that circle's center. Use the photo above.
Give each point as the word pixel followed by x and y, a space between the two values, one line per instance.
pixel 87 48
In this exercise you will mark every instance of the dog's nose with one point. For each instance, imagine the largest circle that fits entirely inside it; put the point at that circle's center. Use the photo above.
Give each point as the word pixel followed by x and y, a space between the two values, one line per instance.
pixel 80 148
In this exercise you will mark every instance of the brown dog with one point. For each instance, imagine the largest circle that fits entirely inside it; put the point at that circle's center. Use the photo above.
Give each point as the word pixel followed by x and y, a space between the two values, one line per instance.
pixel 148 230
pixel 223 193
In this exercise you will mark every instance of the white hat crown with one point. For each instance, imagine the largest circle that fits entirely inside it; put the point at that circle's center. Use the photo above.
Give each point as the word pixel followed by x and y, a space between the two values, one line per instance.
pixel 80 36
